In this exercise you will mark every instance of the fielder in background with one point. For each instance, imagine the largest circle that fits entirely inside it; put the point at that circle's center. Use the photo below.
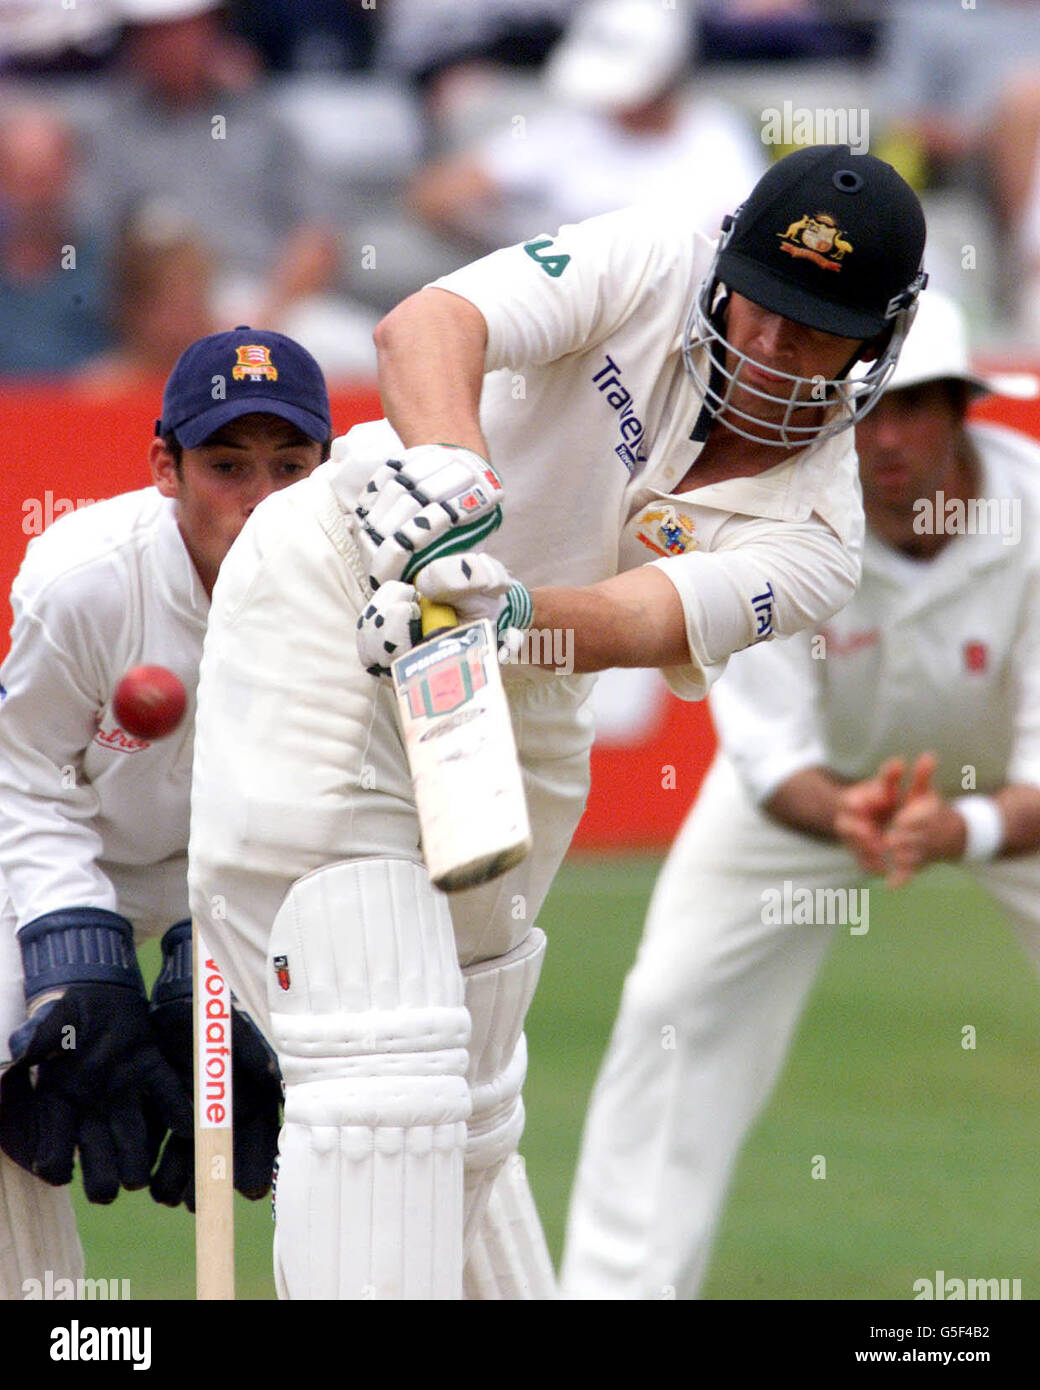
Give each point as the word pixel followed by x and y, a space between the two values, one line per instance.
pixel 842 753
pixel 94 822
pixel 623 371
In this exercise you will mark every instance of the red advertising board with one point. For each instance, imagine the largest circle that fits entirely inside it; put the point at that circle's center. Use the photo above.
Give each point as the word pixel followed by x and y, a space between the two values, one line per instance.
pixel 62 449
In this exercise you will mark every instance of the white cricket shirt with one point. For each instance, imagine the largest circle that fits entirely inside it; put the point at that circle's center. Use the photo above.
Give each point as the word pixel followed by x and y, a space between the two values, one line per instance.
pixel 90 816
pixel 588 413
pixel 940 654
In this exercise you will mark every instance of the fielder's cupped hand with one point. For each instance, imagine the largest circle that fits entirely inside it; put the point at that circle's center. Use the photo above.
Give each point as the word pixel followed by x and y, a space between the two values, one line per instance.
pixel 436 499
pixel 926 828
pixel 864 812
pixel 894 830
pixel 87 1074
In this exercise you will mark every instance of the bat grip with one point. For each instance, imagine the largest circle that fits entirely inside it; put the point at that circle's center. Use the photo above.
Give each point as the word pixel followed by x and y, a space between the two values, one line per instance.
pixel 436 617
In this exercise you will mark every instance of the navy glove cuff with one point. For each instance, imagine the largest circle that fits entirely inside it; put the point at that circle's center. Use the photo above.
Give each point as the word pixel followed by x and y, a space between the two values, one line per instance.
pixel 76 946
pixel 174 981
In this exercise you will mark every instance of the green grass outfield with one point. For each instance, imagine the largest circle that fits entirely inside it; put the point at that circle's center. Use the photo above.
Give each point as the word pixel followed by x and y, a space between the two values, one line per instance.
pixel 931 1149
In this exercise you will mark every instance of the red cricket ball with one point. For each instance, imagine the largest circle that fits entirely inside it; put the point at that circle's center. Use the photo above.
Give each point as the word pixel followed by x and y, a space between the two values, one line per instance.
pixel 150 702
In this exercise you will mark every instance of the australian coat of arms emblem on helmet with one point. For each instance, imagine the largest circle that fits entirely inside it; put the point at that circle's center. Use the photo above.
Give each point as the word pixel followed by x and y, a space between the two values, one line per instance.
pixel 816 237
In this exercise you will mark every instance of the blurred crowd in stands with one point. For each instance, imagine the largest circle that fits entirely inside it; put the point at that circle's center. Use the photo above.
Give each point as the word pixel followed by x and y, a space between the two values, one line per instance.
pixel 170 167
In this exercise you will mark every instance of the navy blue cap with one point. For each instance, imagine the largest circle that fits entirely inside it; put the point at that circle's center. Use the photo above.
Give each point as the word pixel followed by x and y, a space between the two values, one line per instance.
pixel 244 371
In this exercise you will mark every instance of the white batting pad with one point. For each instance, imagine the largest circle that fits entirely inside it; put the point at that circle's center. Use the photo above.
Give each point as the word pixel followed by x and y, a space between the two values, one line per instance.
pixel 509 1258
pixel 368 1017
pixel 498 995
pixel 40 1253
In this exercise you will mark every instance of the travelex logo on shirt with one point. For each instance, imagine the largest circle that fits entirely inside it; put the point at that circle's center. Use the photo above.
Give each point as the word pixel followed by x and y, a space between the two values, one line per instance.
pixel 762 605
pixel 608 382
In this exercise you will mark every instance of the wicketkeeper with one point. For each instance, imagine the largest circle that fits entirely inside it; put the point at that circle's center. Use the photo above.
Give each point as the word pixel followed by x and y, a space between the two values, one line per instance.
pixel 94 822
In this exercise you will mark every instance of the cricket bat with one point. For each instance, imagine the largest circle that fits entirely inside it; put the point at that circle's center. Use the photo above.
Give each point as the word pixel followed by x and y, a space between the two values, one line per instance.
pixel 459 739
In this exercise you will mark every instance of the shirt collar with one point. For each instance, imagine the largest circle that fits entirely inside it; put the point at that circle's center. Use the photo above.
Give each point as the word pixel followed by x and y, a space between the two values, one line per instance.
pixel 823 479
pixel 178 577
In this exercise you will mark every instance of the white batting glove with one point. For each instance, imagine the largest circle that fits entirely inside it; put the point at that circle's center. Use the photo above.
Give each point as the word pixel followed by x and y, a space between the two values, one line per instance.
pixel 388 627
pixel 434 500
pixel 479 586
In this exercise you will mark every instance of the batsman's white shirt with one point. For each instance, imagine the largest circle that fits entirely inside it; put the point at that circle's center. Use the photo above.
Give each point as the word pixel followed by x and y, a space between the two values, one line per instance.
pixel 89 815
pixel 939 655
pixel 588 412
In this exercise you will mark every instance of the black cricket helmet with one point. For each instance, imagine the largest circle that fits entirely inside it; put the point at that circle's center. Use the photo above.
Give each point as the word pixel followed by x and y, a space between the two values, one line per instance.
pixel 829 239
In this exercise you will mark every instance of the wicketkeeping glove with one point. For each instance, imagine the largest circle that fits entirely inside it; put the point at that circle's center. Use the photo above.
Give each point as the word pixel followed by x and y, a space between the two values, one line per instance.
pixel 87 1073
pixel 256 1086
pixel 436 499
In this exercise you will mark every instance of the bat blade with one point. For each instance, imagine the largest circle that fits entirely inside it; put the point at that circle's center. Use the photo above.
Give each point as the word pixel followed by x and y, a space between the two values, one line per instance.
pixel 459 739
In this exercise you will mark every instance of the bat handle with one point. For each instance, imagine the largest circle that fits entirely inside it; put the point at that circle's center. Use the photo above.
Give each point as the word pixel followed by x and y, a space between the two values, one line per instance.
pixel 436 617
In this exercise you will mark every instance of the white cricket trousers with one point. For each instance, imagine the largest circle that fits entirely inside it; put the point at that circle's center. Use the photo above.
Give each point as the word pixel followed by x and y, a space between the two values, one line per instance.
pixel 706 1017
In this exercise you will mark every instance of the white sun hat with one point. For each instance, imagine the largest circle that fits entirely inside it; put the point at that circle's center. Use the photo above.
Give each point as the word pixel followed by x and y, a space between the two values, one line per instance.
pixel 620 53
pixel 936 348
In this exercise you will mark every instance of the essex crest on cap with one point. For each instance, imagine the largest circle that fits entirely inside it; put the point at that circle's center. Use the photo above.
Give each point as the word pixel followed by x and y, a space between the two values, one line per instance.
pixel 254 363
pixel 241 372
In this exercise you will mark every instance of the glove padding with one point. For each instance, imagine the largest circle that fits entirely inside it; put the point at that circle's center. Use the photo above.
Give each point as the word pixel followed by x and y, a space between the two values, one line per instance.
pixel 256 1087
pixel 389 626
pixel 101 1086
pixel 479 586
pixel 476 586
pixel 434 500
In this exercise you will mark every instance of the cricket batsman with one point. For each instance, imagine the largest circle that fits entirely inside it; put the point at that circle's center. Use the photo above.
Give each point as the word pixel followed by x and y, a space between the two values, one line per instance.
pixel 835 761
pixel 587 378
pixel 94 821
